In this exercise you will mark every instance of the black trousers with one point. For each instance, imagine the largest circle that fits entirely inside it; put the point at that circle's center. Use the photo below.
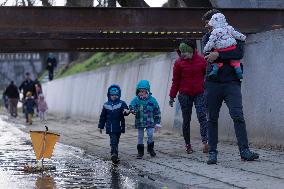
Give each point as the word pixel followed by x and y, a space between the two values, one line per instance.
pixel 215 94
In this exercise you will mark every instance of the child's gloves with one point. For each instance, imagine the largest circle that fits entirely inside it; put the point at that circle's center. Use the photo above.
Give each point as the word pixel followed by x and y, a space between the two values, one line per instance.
pixel 126 112
pixel 158 127
pixel 133 112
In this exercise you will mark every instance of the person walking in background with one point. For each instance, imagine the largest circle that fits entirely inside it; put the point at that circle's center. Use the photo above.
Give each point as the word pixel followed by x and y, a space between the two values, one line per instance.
pixel 42 107
pixel 51 64
pixel 29 107
pixel 13 94
pixel 188 79
pixel 147 116
pixel 112 118
pixel 27 86
pixel 5 101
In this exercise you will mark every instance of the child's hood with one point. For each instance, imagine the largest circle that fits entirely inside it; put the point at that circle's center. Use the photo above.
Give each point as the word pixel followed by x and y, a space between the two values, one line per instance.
pixel 114 86
pixel 143 84
pixel 218 20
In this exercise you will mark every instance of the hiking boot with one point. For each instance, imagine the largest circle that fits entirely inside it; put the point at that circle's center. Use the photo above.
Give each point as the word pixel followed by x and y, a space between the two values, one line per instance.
pixel 205 148
pixel 247 155
pixel 150 149
pixel 140 149
pixel 188 149
pixel 212 158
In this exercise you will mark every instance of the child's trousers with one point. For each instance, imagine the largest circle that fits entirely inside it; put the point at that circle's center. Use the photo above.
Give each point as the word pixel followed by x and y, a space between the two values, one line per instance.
pixel 41 116
pixel 30 118
pixel 114 141
pixel 150 135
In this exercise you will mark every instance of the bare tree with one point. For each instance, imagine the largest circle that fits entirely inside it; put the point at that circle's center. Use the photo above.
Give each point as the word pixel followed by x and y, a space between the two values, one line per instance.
pixel 111 3
pixel 4 3
pixel 133 3
pixel 80 3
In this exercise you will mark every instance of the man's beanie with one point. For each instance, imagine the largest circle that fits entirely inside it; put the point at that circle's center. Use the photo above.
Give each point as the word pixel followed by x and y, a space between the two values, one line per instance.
pixel 184 48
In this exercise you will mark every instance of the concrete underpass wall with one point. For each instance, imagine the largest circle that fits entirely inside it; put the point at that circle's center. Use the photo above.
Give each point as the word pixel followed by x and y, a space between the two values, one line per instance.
pixel 83 95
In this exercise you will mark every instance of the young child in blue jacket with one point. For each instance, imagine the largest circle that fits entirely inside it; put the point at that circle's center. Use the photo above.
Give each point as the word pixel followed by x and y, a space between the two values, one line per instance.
pixel 112 118
pixel 147 117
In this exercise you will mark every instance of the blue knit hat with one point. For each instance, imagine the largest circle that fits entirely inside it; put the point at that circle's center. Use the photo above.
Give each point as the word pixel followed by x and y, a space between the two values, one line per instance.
pixel 114 91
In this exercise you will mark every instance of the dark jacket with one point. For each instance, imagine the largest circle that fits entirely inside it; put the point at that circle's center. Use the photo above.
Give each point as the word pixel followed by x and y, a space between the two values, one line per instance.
pixel 28 85
pixel 227 72
pixel 188 76
pixel 12 91
pixel 51 63
pixel 29 105
pixel 112 117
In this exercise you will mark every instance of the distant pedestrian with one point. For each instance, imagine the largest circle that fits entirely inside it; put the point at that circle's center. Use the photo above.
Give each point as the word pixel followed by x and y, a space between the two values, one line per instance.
pixel 112 118
pixel 147 116
pixel 51 65
pixel 5 100
pixel 29 107
pixel 42 107
pixel 13 94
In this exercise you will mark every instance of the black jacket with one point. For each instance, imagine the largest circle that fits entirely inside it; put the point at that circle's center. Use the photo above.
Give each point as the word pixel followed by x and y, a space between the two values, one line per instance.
pixel 12 91
pixel 28 85
pixel 227 72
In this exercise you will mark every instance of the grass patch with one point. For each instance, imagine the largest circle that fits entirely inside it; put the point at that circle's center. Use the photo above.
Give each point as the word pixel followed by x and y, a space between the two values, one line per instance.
pixel 102 59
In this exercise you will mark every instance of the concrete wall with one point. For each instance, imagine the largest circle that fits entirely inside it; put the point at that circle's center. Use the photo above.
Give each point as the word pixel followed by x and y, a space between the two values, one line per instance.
pixel 263 88
pixel 247 3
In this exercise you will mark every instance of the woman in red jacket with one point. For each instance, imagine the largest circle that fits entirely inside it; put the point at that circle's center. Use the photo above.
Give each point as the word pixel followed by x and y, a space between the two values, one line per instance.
pixel 188 80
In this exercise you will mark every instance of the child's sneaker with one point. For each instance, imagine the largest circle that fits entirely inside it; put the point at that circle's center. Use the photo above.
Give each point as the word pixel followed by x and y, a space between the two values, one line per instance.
pixel 188 149
pixel 247 155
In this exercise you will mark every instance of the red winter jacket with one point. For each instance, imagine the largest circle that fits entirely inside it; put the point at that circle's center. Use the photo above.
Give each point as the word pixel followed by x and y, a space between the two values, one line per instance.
pixel 188 76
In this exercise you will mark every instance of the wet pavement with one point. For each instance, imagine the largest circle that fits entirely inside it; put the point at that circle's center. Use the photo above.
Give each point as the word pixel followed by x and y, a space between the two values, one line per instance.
pixel 74 168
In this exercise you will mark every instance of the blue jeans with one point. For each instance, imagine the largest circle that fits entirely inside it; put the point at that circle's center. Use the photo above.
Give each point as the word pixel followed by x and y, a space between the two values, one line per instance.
pixel 114 141
pixel 150 135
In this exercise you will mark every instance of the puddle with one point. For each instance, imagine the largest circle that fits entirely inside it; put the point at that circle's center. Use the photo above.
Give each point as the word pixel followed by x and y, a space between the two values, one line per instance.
pixel 74 169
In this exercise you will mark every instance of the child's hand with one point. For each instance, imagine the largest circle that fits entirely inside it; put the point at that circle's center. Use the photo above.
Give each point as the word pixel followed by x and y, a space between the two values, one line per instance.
pixel 158 127
pixel 101 131
pixel 133 112
pixel 126 112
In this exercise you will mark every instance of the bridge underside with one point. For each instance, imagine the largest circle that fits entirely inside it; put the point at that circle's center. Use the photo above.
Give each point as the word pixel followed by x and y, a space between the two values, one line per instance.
pixel 26 29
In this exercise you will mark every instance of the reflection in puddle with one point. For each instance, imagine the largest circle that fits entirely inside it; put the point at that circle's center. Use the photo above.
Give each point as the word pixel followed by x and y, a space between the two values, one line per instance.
pixel 74 169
